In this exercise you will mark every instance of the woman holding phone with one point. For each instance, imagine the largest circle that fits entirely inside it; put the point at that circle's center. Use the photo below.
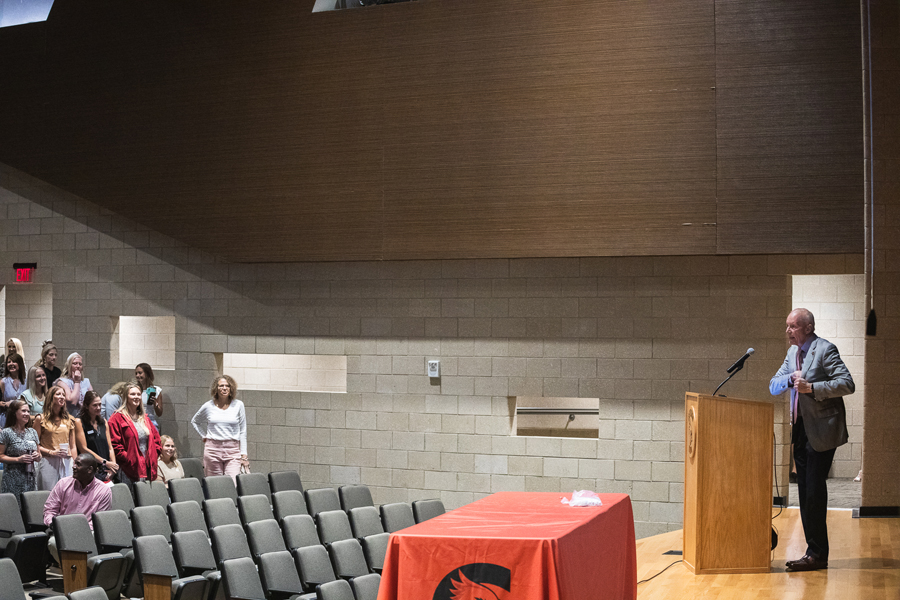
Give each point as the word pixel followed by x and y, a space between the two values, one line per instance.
pixel 151 395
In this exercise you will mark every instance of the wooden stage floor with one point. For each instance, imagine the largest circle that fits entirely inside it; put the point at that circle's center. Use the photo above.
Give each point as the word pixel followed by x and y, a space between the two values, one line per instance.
pixel 864 565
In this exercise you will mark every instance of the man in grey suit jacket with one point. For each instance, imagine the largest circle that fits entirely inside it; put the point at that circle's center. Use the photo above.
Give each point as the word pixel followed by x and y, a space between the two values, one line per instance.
pixel 818 380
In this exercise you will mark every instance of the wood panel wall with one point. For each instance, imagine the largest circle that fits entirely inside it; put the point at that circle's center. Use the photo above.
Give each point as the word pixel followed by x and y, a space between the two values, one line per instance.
pixel 444 128
pixel 789 127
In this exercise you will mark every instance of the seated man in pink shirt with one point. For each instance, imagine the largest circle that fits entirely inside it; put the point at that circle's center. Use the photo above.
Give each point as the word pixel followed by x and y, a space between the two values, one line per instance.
pixel 82 493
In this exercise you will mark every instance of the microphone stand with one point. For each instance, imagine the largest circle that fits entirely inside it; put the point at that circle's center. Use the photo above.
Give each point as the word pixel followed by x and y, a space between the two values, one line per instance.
pixel 733 373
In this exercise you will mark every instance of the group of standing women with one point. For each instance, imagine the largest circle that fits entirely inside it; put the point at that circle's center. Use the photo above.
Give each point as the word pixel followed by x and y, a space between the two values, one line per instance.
pixel 120 429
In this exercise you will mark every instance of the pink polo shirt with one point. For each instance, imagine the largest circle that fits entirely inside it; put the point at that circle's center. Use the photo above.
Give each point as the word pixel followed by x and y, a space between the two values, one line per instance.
pixel 69 498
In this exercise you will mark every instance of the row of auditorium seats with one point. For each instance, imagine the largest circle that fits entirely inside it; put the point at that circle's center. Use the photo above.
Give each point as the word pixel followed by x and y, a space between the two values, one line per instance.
pixel 269 516
pixel 290 557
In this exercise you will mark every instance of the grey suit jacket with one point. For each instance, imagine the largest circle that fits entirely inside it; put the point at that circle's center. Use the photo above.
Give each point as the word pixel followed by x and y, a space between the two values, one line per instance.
pixel 823 412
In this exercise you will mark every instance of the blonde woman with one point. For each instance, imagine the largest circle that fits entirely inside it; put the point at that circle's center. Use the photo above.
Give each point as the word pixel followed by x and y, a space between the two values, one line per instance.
pixel 169 466
pixel 13 346
pixel 135 440
pixel 49 353
pixel 56 431
pixel 36 388
pixel 75 383
pixel 112 400
pixel 222 424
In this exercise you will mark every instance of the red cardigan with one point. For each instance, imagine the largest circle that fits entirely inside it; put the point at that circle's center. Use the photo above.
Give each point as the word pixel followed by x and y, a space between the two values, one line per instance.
pixel 124 437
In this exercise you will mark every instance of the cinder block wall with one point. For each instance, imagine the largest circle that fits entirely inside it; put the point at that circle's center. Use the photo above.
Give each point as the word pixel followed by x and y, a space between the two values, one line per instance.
pixel 635 332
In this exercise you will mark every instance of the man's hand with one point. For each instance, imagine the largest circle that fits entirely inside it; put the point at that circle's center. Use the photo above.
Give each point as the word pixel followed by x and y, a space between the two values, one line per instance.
pixel 803 386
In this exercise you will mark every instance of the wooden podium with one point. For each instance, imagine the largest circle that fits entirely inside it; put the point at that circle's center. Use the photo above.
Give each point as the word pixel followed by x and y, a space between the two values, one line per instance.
pixel 727 484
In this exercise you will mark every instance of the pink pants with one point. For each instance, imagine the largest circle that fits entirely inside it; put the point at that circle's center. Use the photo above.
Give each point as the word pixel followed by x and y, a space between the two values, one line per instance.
pixel 222 457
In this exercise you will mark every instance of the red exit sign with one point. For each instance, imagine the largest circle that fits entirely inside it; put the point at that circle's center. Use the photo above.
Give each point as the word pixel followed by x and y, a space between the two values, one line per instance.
pixel 24 271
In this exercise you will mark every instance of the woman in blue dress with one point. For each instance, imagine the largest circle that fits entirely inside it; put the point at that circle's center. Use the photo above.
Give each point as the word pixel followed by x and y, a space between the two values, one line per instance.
pixel 13 385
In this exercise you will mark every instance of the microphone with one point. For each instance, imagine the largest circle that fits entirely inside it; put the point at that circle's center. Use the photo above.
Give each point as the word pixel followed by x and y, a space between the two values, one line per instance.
pixel 740 362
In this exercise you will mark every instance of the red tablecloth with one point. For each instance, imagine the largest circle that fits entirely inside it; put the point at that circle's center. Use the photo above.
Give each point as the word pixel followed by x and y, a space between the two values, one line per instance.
pixel 521 545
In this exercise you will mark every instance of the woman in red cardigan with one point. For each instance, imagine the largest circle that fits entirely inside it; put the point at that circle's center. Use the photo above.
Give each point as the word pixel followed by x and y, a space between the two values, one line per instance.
pixel 134 438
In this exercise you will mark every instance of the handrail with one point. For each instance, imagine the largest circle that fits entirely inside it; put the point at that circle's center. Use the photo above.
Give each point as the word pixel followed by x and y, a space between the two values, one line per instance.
pixel 539 410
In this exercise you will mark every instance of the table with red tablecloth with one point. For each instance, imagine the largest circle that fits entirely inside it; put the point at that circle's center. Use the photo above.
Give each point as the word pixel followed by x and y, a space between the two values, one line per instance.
pixel 522 545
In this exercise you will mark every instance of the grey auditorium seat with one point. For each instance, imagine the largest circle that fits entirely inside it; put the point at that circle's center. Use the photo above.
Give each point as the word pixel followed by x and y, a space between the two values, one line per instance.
pixel 151 493
pixel 113 533
pixel 365 521
pixel 220 511
pixel 122 498
pixel 241 579
pixel 73 534
pixel 397 516
pixel 314 566
pixel 321 500
pixel 265 536
pixel 154 557
pixel 187 516
pixel 299 532
pixel 353 496
pixel 27 550
pixel 280 481
pixel 347 559
pixel 366 587
pixel 288 502
pixel 254 508
pixel 193 468
pixel 335 590
pixel 229 541
pixel 250 484
pixel 33 510
pixel 427 509
pixel 333 525
pixel 279 577
pixel 375 549
pixel 194 556
pixel 150 520
pixel 219 486
pixel 182 490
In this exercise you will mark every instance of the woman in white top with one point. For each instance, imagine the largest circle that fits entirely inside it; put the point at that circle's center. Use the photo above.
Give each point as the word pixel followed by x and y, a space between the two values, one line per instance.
pixel 75 383
pixel 222 423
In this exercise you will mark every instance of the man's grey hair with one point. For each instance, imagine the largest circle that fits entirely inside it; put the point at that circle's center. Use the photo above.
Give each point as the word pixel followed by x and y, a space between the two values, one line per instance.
pixel 806 316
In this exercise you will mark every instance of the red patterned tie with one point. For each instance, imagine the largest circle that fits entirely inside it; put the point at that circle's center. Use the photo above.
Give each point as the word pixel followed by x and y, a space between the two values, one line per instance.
pixel 795 394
